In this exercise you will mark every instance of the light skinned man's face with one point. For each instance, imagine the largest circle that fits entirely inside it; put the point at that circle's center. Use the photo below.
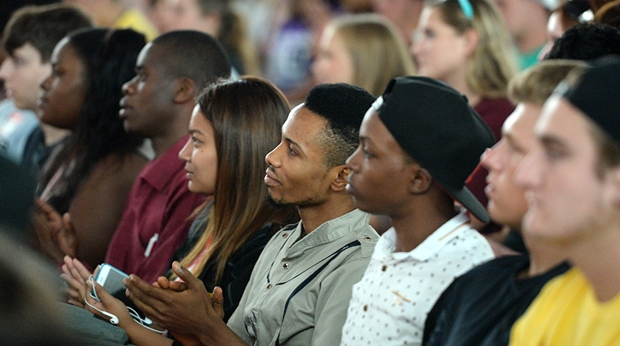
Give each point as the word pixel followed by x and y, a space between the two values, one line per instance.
pixel 507 204
pixel 567 199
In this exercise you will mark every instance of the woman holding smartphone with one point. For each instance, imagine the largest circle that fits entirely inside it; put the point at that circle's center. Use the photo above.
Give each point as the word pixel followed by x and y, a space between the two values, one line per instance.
pixel 235 124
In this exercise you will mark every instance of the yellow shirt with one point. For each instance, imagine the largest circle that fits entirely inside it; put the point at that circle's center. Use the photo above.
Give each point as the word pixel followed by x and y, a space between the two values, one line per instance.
pixel 566 312
pixel 134 19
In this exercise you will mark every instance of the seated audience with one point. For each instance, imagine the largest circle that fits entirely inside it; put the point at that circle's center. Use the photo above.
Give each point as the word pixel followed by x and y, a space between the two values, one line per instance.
pixel 418 144
pixel 90 174
pixel 29 39
pixel 480 307
pixel 299 290
pixel 577 140
pixel 230 135
pixel 344 53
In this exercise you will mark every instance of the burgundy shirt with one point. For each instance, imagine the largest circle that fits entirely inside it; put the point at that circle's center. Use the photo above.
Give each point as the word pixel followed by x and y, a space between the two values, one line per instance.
pixel 493 112
pixel 156 213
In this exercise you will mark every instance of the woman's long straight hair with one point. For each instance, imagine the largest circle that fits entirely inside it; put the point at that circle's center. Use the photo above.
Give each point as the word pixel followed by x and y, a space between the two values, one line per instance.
pixel 247 117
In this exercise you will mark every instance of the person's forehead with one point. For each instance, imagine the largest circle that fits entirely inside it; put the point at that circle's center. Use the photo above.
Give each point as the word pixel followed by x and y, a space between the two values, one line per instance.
pixel 328 34
pixel 26 50
pixel 375 131
pixel 153 59
pixel 302 121
pixel 559 119
pixel 426 13
pixel 433 18
pixel 61 46
pixel 369 122
pixel 196 111
pixel 198 122
pixel 554 25
pixel 147 53
pixel 303 127
pixel 521 121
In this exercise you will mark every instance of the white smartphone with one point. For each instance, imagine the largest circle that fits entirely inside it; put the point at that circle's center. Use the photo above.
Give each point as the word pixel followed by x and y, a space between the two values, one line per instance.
pixel 111 279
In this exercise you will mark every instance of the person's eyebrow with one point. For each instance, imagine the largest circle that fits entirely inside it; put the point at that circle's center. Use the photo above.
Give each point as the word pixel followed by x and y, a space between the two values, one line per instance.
pixel 295 144
pixel 194 131
pixel 549 140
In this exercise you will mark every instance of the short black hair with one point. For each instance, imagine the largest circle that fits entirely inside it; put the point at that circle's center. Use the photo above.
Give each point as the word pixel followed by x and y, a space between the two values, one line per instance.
pixel 344 107
pixel 586 42
pixel 43 27
pixel 194 55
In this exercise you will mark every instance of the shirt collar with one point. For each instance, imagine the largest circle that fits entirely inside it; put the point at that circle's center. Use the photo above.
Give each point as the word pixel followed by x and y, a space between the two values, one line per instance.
pixel 163 169
pixel 452 228
pixel 328 231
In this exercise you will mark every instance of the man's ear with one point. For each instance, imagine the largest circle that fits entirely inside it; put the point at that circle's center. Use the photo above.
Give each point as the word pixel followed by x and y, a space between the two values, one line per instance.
pixel 340 181
pixel 421 180
pixel 184 90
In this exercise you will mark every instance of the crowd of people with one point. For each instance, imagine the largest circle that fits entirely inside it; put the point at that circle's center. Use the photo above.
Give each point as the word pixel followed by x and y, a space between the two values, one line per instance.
pixel 310 172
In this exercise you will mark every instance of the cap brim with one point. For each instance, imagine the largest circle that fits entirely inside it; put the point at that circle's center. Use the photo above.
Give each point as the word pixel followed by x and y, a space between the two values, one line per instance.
pixel 471 203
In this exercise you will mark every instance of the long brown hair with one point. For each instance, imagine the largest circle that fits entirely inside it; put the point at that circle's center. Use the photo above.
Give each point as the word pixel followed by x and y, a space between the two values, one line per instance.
pixel 247 115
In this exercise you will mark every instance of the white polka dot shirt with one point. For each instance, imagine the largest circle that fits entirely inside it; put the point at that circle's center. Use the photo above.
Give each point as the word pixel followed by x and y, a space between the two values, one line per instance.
pixel 389 305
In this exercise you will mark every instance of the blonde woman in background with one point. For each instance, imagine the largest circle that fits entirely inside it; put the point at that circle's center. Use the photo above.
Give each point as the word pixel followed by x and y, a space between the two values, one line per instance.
pixel 363 50
pixel 466 45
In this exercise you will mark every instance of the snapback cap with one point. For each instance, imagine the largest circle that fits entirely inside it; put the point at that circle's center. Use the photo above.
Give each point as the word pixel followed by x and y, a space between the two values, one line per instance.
pixel 597 94
pixel 435 125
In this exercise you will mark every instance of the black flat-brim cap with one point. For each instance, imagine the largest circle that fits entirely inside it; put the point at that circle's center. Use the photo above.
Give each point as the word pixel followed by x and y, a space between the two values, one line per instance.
pixel 434 124
pixel 597 95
